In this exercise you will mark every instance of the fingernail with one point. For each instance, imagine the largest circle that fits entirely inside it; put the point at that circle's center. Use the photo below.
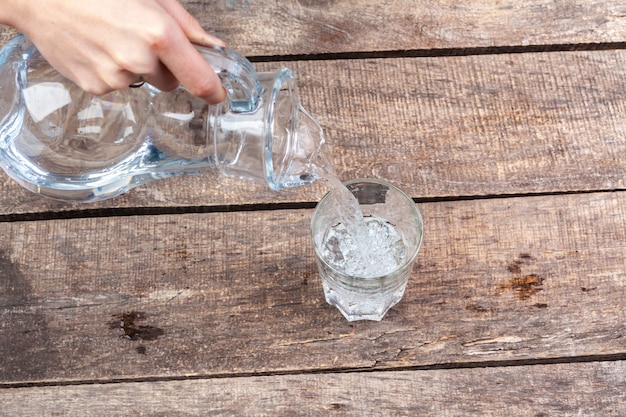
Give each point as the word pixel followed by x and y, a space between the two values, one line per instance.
pixel 207 39
pixel 217 97
pixel 216 40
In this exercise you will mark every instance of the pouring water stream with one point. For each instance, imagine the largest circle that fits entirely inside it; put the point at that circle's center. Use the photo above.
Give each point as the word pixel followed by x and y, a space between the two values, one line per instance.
pixel 359 245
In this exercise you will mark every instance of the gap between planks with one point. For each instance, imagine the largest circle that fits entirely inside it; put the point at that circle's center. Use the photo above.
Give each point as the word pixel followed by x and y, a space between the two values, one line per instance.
pixel 440 52
pixel 171 210
pixel 433 367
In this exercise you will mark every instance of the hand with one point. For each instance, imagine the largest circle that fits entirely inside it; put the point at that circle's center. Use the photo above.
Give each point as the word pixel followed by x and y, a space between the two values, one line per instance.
pixel 105 45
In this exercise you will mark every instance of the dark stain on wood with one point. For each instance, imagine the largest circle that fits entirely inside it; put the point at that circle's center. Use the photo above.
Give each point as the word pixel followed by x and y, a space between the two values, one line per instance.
pixel 523 287
pixel 15 288
pixel 515 267
pixel 25 347
pixel 477 308
pixel 132 330
pixel 316 3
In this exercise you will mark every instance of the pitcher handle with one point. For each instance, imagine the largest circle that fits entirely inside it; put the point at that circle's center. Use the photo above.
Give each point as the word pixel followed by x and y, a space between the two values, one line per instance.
pixel 237 75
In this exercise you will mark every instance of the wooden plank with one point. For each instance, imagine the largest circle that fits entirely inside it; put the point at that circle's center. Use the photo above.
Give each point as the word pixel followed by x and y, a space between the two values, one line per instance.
pixel 287 27
pixel 585 389
pixel 6 33
pixel 321 26
pixel 500 280
pixel 549 122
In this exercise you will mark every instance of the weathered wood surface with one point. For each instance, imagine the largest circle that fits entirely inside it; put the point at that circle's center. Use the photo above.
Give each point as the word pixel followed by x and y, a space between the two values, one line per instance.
pixel 520 299
pixel 550 122
pixel 321 26
pixel 498 280
pixel 586 389
pixel 301 27
pixel 6 33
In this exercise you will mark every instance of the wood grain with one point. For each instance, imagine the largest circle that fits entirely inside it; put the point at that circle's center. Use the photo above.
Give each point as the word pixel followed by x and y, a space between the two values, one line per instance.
pixel 288 27
pixel 332 26
pixel 238 293
pixel 548 122
pixel 588 389
pixel 506 119
pixel 6 33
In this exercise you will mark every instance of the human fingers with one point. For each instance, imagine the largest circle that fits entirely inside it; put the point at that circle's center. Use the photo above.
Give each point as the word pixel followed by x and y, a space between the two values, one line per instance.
pixel 190 68
pixel 178 58
pixel 132 62
pixel 162 78
pixel 107 76
pixel 190 26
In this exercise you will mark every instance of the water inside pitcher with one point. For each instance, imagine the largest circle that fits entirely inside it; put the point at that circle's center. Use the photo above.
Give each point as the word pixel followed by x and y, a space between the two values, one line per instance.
pixel 64 143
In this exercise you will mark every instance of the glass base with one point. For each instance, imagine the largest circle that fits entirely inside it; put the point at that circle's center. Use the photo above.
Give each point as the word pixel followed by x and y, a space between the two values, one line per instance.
pixel 355 306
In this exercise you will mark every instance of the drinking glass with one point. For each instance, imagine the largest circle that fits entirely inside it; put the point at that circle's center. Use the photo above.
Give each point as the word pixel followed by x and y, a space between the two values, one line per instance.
pixel 362 296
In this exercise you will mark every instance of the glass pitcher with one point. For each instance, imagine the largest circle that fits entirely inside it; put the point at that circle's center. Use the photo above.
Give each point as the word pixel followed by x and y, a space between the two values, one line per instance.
pixel 62 142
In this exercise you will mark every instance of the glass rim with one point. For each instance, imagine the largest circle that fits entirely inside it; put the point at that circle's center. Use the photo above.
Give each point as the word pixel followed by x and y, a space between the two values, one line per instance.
pixel 417 216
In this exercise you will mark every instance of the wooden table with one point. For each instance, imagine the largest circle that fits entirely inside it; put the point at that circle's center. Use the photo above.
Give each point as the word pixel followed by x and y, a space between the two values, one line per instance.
pixel 505 120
